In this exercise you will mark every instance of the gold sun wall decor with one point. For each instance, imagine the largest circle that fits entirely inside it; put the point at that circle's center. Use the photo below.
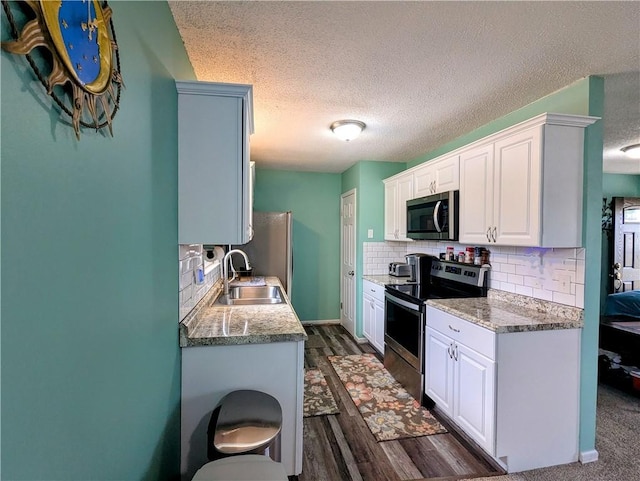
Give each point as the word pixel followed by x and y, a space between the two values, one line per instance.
pixel 84 76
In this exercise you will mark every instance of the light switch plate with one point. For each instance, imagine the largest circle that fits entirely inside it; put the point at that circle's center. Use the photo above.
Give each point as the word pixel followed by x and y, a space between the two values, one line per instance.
pixel 370 234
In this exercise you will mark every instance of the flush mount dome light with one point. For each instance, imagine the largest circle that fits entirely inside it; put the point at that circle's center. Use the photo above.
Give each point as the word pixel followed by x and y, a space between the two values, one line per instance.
pixel 632 151
pixel 347 129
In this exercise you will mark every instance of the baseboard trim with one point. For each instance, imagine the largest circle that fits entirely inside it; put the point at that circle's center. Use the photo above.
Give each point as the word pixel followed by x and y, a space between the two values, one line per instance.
pixel 319 322
pixel 590 456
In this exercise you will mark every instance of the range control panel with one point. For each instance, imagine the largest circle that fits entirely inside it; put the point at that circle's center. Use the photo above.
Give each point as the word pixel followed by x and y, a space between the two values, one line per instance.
pixel 464 273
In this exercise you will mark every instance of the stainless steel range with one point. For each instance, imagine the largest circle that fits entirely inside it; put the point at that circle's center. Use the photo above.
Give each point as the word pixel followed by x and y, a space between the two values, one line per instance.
pixel 405 313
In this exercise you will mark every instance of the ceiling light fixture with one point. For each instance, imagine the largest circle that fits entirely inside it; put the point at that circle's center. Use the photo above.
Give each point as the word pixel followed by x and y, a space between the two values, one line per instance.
pixel 632 151
pixel 347 129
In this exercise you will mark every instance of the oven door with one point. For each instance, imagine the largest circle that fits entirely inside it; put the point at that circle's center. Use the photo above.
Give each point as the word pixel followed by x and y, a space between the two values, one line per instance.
pixel 404 329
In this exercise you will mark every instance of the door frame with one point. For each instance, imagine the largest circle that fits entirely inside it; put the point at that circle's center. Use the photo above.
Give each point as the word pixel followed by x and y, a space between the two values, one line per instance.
pixel 355 260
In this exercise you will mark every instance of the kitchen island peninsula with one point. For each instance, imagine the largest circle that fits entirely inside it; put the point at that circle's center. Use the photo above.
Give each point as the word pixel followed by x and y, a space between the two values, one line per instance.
pixel 226 348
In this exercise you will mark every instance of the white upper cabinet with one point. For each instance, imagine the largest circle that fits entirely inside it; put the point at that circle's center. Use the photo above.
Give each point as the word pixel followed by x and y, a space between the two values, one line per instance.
pixel 523 185
pixel 214 176
pixel 437 176
pixel 397 191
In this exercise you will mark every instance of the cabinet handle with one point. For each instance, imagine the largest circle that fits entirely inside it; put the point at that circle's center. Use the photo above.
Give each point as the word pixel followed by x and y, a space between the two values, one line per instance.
pixel 455 352
pixel 453 328
pixel 449 352
pixel 494 235
pixel 489 234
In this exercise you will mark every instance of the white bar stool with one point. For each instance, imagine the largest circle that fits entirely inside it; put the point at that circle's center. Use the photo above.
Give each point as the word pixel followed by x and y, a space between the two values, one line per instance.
pixel 247 467
pixel 248 422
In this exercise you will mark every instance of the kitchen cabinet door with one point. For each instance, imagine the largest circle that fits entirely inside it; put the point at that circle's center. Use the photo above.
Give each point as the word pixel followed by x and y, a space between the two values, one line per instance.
pixel 397 191
pixel 214 174
pixel 474 388
pixel 437 176
pixel 378 325
pixel 373 314
pixel 438 370
pixel 476 194
pixel 391 210
pixel 517 189
pixel 368 316
pixel 424 180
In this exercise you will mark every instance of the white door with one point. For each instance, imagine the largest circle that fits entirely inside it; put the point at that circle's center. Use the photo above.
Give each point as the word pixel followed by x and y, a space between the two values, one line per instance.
pixel 348 261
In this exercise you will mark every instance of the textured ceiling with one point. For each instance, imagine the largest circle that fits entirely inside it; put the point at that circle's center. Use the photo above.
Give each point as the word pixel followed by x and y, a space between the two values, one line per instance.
pixel 419 74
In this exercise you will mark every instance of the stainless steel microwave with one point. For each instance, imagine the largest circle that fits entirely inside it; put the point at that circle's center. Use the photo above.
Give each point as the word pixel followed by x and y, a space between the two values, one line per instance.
pixel 434 217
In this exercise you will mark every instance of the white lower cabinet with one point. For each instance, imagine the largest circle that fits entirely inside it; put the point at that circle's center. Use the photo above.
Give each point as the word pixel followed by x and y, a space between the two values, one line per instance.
pixel 373 314
pixel 516 394
pixel 461 381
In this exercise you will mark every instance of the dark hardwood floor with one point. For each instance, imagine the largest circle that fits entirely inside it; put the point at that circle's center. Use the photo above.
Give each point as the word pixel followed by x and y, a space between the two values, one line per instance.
pixel 341 447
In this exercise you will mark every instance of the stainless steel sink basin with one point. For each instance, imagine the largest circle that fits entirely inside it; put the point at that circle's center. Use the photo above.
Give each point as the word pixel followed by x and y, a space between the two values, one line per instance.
pixel 252 295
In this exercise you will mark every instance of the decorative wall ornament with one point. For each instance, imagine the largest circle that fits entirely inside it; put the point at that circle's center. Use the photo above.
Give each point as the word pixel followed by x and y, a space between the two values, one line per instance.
pixel 84 76
pixel 607 217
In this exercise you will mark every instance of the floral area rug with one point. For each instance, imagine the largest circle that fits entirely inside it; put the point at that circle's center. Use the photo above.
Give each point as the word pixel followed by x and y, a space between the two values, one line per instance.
pixel 318 399
pixel 387 408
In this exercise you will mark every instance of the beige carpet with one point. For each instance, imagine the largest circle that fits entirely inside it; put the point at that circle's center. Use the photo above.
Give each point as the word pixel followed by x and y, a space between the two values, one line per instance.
pixel 617 443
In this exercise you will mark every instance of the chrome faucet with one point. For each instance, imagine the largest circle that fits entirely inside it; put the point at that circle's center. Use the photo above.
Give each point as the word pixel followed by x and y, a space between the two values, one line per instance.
pixel 225 269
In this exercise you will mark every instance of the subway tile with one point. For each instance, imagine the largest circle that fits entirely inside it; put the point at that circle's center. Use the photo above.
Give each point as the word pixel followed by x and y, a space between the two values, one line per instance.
pixel 508 268
pixel 562 298
pixel 505 286
pixel 580 296
pixel 524 290
pixel 543 294
pixel 515 279
pixel 580 267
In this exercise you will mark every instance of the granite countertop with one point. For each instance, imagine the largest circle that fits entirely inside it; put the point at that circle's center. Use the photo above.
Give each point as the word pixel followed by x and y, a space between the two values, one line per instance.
pixel 210 324
pixel 504 312
pixel 382 280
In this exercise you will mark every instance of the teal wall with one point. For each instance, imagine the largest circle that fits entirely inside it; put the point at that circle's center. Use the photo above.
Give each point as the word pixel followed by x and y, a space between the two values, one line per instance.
pixel 614 185
pixel 90 357
pixel 366 177
pixel 314 200
pixel 620 185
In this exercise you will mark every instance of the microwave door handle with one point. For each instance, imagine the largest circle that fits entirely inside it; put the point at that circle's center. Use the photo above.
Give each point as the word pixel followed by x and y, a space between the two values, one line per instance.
pixel 436 213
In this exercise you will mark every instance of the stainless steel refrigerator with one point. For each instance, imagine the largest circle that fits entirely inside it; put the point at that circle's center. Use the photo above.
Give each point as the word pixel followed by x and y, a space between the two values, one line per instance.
pixel 270 251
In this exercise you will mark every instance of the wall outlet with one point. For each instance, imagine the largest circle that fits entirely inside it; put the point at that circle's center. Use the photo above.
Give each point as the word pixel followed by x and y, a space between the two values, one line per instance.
pixel 370 234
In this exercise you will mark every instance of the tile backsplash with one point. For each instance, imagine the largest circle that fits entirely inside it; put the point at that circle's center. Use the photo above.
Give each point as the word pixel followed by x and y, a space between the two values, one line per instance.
pixel 196 276
pixel 555 275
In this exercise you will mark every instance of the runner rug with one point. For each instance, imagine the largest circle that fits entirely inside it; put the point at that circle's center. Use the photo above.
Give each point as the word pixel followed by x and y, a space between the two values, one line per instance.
pixel 388 409
pixel 318 399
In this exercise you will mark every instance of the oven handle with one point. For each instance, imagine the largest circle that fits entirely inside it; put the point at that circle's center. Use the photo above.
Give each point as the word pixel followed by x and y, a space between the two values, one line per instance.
pixel 401 302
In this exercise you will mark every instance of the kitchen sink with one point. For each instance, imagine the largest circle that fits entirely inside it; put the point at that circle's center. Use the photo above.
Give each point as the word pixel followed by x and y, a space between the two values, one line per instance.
pixel 252 295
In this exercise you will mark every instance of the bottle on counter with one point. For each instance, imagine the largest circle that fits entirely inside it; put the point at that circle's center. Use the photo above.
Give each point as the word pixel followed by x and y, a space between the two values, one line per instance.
pixel 461 256
pixel 485 257
pixel 468 256
pixel 450 253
